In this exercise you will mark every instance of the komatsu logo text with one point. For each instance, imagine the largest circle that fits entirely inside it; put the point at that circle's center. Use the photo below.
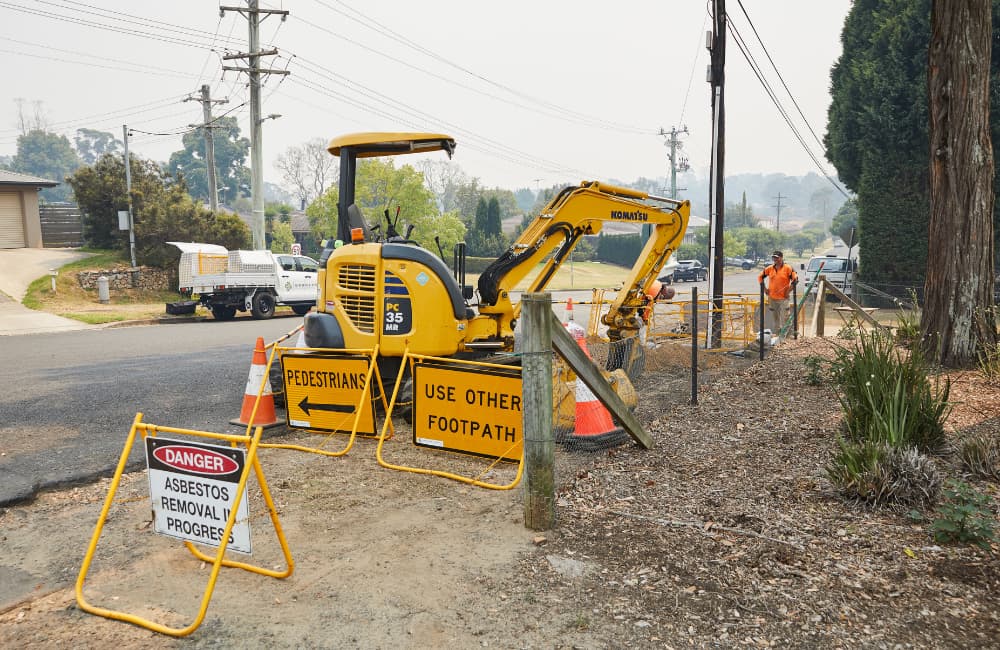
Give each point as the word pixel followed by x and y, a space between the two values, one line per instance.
pixel 622 215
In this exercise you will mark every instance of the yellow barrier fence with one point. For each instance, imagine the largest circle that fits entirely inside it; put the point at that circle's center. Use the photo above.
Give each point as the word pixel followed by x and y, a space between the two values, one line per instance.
pixel 500 446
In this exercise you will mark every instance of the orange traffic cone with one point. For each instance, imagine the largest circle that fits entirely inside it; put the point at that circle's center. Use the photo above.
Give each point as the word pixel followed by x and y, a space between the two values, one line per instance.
pixel 265 415
pixel 594 428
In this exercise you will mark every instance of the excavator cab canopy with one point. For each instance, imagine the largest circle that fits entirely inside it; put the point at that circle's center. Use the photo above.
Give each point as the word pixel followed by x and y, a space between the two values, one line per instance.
pixel 369 145
pixel 352 146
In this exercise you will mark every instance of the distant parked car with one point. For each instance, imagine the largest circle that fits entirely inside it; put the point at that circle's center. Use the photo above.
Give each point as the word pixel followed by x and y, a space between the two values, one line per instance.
pixel 744 263
pixel 690 270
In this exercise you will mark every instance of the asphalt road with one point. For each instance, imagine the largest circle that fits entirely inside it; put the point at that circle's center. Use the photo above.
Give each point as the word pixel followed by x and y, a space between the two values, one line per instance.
pixel 68 399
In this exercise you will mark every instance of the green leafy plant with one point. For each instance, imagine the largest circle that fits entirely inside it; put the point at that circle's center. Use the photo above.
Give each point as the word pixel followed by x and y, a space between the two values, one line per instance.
pixel 965 516
pixel 886 395
pixel 814 370
pixel 849 332
pixel 877 474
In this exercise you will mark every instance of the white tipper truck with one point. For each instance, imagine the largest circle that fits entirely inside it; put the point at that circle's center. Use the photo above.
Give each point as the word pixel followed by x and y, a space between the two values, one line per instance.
pixel 256 281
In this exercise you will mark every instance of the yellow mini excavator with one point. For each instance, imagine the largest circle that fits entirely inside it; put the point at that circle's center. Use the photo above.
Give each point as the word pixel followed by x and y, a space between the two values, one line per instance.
pixel 390 292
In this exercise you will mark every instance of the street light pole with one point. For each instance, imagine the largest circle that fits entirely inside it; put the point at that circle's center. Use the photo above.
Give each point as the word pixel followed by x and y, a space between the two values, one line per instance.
pixel 128 194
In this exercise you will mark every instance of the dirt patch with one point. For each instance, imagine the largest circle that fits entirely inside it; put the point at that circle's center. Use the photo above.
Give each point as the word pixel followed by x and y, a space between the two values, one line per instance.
pixel 726 534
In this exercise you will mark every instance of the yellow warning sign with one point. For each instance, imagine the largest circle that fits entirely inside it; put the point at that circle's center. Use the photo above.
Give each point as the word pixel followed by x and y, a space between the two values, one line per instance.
pixel 469 410
pixel 325 392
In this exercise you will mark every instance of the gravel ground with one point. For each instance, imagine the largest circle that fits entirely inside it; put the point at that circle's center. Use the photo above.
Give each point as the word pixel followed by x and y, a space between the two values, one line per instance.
pixel 726 534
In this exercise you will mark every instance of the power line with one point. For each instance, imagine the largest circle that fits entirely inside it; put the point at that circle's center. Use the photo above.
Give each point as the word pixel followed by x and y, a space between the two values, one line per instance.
pixel 554 111
pixel 741 45
pixel 145 69
pixel 576 115
pixel 511 154
pixel 777 72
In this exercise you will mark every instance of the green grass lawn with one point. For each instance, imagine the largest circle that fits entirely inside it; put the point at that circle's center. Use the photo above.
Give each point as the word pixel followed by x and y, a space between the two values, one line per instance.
pixel 70 300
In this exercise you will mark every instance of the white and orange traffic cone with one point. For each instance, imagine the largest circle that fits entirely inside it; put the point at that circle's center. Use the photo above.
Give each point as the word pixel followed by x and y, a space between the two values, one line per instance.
pixel 574 328
pixel 265 415
pixel 594 428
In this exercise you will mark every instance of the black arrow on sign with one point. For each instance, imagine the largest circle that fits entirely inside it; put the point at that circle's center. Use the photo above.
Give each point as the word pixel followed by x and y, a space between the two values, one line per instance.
pixel 305 405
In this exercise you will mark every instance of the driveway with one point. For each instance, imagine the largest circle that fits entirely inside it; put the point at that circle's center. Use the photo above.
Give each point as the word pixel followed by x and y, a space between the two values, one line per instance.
pixel 19 267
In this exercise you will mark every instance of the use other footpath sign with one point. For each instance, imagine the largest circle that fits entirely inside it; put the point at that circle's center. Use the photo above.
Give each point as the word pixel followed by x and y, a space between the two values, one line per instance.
pixel 323 391
pixel 192 487
pixel 470 410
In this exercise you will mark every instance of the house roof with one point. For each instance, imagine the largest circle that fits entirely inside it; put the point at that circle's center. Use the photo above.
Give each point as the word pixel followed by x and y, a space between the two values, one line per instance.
pixel 14 178
pixel 299 221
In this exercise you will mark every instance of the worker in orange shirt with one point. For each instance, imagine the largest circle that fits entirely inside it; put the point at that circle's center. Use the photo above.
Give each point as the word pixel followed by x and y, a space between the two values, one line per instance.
pixel 780 278
pixel 657 290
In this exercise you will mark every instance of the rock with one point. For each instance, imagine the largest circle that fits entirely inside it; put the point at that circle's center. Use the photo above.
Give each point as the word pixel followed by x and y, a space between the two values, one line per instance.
pixel 567 567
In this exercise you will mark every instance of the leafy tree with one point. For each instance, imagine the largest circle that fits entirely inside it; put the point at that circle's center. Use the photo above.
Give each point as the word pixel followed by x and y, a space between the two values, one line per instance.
pixel 760 242
pixel 692 252
pixel 280 210
pixel 845 219
pixel 47 155
pixel 479 225
pixel 821 203
pixel 100 192
pixel 282 238
pixel 91 144
pixel 162 210
pixel 877 132
pixel 733 245
pixel 618 249
pixel 231 151
pixel 525 199
pixel 178 217
pixel 740 215
pixel 799 242
pixel 380 187
pixel 493 223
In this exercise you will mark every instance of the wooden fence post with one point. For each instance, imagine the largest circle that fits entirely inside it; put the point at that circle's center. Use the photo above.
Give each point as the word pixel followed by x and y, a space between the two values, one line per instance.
pixel 536 390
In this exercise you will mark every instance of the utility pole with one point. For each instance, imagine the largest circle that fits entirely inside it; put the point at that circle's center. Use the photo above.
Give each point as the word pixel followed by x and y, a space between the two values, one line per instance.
pixel 252 13
pixel 128 194
pixel 676 164
pixel 777 218
pixel 206 106
pixel 716 42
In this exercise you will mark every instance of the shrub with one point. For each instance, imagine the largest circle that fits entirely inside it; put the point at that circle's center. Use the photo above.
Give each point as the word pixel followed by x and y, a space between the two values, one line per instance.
pixel 886 395
pixel 880 475
pixel 981 456
pixel 814 370
pixel 966 516
pixel 989 363
pixel 908 322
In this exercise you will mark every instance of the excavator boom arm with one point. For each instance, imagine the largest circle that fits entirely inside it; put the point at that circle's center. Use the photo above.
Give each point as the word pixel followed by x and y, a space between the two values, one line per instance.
pixel 579 211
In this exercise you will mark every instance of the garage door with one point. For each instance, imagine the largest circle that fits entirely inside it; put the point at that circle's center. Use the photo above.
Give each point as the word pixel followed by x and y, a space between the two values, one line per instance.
pixel 11 221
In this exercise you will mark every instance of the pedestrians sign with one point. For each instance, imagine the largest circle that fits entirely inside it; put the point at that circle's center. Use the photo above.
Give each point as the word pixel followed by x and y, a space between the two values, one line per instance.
pixel 326 392
pixel 469 410
pixel 192 487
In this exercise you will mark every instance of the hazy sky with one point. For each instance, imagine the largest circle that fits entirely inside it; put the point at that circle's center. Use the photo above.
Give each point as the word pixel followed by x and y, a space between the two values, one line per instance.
pixel 535 93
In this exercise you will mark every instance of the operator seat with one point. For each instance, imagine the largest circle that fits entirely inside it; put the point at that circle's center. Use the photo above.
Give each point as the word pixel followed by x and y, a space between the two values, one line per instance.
pixel 357 220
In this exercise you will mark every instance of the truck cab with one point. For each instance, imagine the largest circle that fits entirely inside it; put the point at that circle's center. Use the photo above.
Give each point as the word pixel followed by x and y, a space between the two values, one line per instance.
pixel 838 270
